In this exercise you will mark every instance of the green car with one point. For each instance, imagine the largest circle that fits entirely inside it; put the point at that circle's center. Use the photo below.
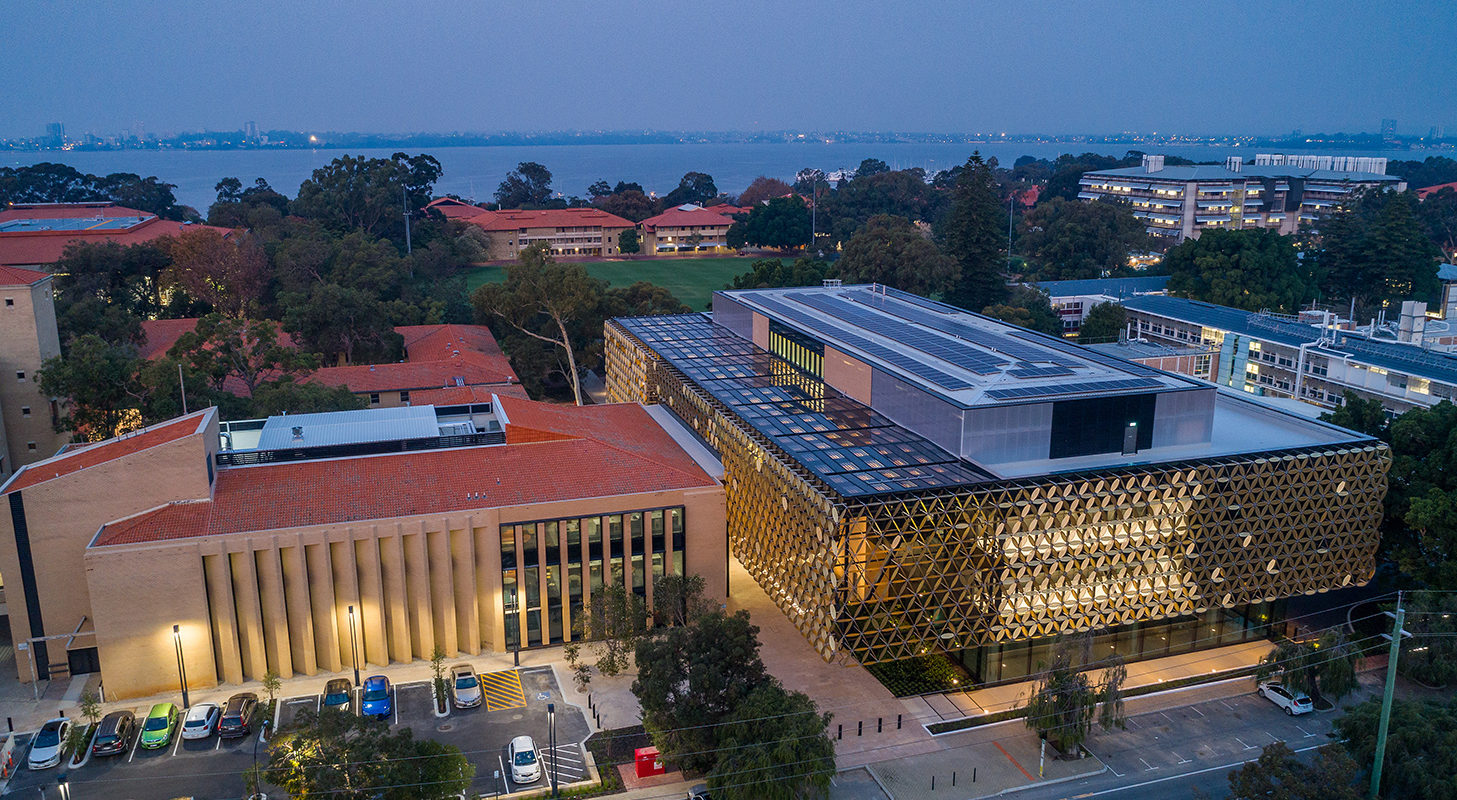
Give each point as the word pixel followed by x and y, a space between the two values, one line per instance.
pixel 160 725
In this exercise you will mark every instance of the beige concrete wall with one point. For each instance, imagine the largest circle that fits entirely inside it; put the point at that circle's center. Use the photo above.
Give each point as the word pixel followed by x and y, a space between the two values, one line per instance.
pixel 279 600
pixel 848 374
pixel 27 338
pixel 63 515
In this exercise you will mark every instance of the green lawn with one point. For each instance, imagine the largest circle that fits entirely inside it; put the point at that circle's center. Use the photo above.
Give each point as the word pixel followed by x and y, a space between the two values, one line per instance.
pixel 692 280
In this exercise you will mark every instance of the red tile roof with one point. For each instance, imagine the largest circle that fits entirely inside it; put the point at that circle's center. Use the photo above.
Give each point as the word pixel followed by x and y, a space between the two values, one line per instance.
pixel 516 219
pixel 681 217
pixel 1426 191
pixel 81 457
pixel 455 209
pixel 29 247
pixel 437 355
pixel 15 276
pixel 463 395
pixel 604 451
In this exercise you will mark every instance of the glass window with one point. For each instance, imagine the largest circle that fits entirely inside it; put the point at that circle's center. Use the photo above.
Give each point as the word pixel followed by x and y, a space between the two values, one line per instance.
pixel 533 628
pixel 528 545
pixel 675 526
pixel 551 542
pixel 639 575
pixel 658 565
pixel 594 538
pixel 614 535
pixel 554 602
pixel 573 541
pixel 678 562
pixel 655 529
pixel 533 587
pixel 508 547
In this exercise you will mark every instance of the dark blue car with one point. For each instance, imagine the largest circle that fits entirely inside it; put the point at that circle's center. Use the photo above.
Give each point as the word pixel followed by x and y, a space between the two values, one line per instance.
pixel 378 700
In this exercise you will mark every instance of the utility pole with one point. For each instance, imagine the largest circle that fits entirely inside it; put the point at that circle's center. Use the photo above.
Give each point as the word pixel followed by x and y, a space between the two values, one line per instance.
pixel 183 384
pixel 1011 203
pixel 1396 636
pixel 405 195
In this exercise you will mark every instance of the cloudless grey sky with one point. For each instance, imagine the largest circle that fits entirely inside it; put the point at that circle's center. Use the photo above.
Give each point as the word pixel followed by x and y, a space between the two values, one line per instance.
pixel 1017 66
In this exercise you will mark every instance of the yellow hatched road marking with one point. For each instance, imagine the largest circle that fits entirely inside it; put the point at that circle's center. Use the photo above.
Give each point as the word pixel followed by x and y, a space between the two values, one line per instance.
pixel 503 690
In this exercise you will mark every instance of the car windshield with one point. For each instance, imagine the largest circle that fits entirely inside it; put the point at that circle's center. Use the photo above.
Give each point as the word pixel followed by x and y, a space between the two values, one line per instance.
pixel 525 758
pixel 377 693
pixel 49 736
pixel 465 682
pixel 156 724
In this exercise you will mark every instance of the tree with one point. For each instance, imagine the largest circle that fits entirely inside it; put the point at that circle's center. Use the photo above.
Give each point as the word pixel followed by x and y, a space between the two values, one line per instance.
pixel 98 381
pixel 773 273
pixel 257 206
pixel 341 323
pixel 631 205
pixel 1278 774
pixel 437 673
pixel 1421 761
pixel 91 707
pixel 1315 666
pixel 1420 533
pixel 245 351
pixel 58 183
pixel 1104 323
pixel 616 620
pixel 641 299
pixel 781 223
pixel 1254 270
pixel 1439 214
pixel 694 187
pixel 774 746
pixel 1070 239
pixel 288 396
pixel 764 188
pixel 527 185
pixel 900 193
pixel 1432 618
pixel 108 289
pixel 271 684
pixel 627 242
pixel 870 167
pixel 348 757
pixel 693 678
pixel 539 298
pixel 971 234
pixel 1363 415
pixel 1377 252
pixel 228 273
pixel 599 190
pixel 1065 701
pixel 1068 170
pixel 678 599
pixel 892 251
pixel 1027 307
pixel 354 193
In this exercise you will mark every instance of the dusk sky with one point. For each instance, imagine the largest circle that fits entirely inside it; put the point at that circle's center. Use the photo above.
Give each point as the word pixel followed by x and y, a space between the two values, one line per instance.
pixel 374 65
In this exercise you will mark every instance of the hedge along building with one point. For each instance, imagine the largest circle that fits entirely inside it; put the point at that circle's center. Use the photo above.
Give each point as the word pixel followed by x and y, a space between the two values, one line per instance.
pixel 903 476
pixel 466 528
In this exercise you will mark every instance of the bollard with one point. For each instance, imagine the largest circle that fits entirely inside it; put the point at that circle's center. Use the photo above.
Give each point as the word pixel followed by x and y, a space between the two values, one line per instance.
pixel 897 721
pixel 860 728
pixel 10 723
pixel 878 720
pixel 973 774
pixel 953 778
pixel 933 783
pixel 839 732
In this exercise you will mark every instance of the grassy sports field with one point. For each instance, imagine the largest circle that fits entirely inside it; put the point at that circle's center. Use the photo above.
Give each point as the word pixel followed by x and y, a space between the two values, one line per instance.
pixel 692 280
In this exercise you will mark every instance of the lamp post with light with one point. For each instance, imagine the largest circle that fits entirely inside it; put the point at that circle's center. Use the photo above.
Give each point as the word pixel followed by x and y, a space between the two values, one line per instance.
pixel 181 667
pixel 551 744
pixel 353 647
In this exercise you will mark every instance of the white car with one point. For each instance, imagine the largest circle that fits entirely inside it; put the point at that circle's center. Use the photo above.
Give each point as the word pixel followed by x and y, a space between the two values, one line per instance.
pixel 1292 701
pixel 525 765
pixel 201 721
pixel 466 685
pixel 45 751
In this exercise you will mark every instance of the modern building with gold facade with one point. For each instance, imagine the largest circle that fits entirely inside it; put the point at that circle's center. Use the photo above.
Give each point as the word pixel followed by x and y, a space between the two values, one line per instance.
pixel 477 528
pixel 903 476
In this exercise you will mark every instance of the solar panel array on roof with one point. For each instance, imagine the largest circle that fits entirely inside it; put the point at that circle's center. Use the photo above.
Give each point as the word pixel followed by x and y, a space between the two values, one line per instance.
pixel 1054 390
pixel 944 322
pixel 851 448
pixel 951 352
pixel 910 364
pixel 1025 370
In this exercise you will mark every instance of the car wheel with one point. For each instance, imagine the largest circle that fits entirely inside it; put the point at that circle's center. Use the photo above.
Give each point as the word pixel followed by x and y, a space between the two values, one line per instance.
pixel 1289 712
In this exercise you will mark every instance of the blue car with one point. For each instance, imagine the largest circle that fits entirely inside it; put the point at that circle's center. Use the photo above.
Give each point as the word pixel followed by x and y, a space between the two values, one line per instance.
pixel 378 700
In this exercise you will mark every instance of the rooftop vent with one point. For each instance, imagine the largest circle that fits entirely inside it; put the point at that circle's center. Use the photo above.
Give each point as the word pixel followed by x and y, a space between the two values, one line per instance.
pixel 1234 163
pixel 298 433
pixel 831 282
pixel 1153 163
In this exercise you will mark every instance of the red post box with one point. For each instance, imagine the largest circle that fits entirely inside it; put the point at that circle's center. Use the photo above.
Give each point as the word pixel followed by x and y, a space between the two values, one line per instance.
pixel 649 762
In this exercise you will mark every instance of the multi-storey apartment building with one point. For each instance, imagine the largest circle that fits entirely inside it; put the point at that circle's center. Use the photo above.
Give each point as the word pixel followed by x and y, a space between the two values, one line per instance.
pixel 1304 357
pixel 27 338
pixel 687 229
pixel 1280 192
pixel 270 544
pixel 904 476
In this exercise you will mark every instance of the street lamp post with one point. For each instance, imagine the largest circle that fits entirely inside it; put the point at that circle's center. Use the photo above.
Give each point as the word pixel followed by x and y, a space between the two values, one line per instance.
pixel 551 744
pixel 353 647
pixel 181 667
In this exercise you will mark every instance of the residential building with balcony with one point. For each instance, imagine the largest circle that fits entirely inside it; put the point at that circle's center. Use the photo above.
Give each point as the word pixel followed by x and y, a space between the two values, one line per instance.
pixel 566 231
pixel 686 229
pixel 1280 192
pixel 1072 300
pixel 1310 357
pixel 903 476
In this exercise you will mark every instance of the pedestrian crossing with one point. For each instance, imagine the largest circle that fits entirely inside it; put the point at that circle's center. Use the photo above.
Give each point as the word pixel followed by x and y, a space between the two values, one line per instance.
pixel 503 690
pixel 570 766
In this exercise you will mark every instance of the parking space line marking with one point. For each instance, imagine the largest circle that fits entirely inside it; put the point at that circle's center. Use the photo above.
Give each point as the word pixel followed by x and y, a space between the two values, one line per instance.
pixel 1226 705
pixel 1276 738
pixel 1151 767
pixel 503 690
pixel 1167 717
pixel 1307 733
pixel 136 740
pixel 1182 760
pixel 505 774
pixel 395 702
pixel 1014 762
pixel 1196 710
pixel 1242 742
pixel 219 745
pixel 178 743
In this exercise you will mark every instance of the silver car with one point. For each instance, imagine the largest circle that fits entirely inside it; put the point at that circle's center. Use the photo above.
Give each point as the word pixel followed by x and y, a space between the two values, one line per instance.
pixel 45 751
pixel 466 686
pixel 201 721
pixel 525 765
pixel 1292 701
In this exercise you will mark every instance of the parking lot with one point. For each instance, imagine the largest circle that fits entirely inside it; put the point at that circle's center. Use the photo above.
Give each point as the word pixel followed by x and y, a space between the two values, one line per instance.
pixel 212 769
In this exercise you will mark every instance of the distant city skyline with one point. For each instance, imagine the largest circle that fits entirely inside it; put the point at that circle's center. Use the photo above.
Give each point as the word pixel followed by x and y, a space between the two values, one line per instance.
pixel 1055 68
